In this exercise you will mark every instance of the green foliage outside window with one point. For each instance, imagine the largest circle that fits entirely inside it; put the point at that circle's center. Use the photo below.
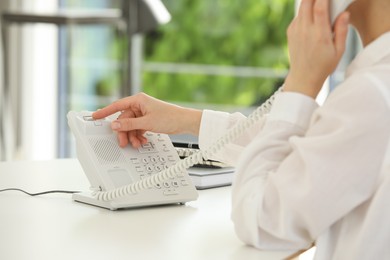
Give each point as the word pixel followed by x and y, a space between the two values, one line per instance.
pixel 245 33
pixel 219 32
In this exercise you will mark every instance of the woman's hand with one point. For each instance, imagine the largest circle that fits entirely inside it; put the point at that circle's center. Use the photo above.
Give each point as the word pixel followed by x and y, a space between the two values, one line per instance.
pixel 141 113
pixel 315 49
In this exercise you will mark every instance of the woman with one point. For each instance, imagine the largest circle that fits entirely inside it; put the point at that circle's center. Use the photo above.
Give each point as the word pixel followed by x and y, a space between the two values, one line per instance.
pixel 305 173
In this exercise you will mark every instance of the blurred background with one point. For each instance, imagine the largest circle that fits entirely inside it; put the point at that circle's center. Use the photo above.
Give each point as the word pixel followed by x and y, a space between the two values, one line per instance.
pixel 228 55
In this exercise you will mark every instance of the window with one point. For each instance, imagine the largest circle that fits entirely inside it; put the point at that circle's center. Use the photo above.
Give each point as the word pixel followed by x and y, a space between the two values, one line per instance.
pixel 91 57
pixel 218 52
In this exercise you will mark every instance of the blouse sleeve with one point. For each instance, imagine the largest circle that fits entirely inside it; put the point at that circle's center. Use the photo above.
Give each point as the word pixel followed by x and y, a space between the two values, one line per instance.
pixel 299 175
pixel 215 124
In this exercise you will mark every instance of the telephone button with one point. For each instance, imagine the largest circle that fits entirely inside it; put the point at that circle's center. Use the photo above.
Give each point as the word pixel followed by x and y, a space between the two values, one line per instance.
pixel 184 183
pixel 99 127
pixel 167 184
pixel 135 160
pixel 170 192
pixel 98 123
pixel 145 160
pixel 153 160
pixel 158 168
pixel 88 118
pixel 158 185
pixel 162 159
pixel 147 148
pixel 175 184
pixel 149 168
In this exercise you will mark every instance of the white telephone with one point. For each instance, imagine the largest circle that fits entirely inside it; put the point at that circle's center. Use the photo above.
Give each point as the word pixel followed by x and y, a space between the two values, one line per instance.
pixel 153 174
pixel 109 167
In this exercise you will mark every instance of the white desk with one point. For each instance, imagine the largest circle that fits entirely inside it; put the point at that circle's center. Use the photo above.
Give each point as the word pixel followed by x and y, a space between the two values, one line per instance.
pixel 55 227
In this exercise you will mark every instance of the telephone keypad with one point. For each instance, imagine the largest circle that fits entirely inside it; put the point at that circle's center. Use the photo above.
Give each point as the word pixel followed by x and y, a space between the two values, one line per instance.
pixel 148 164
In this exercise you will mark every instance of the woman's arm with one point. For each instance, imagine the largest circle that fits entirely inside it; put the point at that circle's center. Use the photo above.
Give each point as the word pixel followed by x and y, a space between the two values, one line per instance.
pixel 140 113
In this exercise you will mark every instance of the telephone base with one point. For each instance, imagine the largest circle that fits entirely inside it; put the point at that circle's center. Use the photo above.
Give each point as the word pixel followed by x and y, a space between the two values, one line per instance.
pixel 87 198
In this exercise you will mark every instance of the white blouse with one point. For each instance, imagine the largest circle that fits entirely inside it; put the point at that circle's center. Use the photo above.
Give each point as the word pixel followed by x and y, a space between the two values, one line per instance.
pixel 316 174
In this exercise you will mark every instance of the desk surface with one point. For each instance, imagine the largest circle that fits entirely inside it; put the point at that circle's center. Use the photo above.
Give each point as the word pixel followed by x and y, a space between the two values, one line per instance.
pixel 55 227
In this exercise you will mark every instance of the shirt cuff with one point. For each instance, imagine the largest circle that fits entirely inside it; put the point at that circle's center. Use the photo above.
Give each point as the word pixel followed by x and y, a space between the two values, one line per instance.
pixel 213 124
pixel 294 108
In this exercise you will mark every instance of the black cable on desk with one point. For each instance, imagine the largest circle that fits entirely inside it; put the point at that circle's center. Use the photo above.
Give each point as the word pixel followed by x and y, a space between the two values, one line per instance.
pixel 40 193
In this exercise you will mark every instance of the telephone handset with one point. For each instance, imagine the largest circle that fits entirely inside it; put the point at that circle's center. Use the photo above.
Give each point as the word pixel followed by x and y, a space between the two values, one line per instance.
pixel 153 174
pixel 337 7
